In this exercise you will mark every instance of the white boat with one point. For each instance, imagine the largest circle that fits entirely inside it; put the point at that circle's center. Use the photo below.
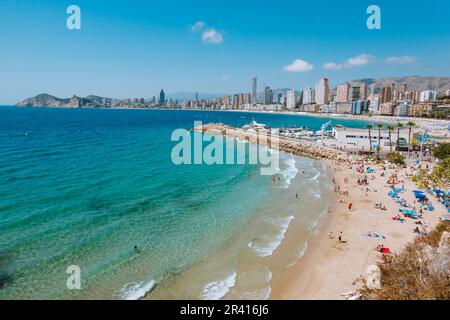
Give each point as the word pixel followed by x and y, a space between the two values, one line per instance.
pixel 255 125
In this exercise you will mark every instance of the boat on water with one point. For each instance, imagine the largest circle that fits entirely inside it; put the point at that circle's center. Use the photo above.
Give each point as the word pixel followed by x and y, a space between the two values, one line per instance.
pixel 255 126
pixel 294 132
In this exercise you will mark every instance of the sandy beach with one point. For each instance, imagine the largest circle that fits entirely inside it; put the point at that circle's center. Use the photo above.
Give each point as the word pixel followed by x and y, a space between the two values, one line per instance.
pixel 330 268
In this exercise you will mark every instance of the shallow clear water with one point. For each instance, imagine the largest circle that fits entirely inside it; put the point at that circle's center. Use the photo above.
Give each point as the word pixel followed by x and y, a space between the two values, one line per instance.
pixel 83 187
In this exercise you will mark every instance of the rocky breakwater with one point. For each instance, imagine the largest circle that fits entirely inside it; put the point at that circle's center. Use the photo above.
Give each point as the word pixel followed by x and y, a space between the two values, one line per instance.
pixel 264 137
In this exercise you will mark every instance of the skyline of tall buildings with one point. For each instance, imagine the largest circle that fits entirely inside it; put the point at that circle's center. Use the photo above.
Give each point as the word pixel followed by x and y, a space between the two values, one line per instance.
pixel 355 97
pixel 348 92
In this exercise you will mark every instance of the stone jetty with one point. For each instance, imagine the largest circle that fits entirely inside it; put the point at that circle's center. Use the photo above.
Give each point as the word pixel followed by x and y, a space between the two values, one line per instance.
pixel 265 138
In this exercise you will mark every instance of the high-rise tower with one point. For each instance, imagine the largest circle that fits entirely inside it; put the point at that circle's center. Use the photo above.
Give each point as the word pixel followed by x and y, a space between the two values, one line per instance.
pixel 254 90
pixel 162 97
pixel 322 91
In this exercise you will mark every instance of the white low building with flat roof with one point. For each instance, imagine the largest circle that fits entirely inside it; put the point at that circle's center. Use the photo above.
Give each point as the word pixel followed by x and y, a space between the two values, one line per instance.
pixel 354 139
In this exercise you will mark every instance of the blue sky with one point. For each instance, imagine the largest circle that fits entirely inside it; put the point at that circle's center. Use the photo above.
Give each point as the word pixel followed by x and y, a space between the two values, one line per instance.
pixel 135 48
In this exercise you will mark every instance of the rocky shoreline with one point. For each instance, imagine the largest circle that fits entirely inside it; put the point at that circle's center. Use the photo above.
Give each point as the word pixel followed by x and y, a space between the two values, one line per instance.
pixel 265 138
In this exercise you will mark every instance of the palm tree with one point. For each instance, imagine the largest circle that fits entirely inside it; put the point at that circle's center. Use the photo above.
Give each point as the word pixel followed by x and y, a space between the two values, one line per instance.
pixel 390 130
pixel 379 126
pixel 410 124
pixel 399 126
pixel 369 127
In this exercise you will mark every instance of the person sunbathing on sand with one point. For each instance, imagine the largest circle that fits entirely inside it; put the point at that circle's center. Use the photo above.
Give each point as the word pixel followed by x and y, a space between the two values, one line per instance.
pixel 382 249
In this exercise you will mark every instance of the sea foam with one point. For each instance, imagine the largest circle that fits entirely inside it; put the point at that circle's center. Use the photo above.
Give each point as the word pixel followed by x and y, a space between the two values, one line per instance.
pixel 290 172
pixel 216 290
pixel 136 291
pixel 266 245
pixel 262 294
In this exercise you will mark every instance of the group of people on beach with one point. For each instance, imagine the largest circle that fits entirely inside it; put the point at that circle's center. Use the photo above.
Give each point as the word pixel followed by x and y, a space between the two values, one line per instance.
pixel 340 240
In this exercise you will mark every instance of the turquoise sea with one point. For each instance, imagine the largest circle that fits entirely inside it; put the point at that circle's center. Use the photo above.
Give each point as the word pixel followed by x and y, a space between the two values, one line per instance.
pixel 83 187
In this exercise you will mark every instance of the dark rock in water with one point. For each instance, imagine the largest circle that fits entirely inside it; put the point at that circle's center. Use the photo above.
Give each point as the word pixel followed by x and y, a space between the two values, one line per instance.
pixel 99 204
pixel 4 279
pixel 5 275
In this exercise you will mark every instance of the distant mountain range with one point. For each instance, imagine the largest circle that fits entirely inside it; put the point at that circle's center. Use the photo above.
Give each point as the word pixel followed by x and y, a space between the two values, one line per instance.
pixel 413 83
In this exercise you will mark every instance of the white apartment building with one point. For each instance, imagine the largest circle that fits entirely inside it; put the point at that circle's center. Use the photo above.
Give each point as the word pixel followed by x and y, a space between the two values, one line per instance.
pixel 374 106
pixel 308 96
pixel 428 95
pixel 401 110
pixel 291 100
pixel 322 91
